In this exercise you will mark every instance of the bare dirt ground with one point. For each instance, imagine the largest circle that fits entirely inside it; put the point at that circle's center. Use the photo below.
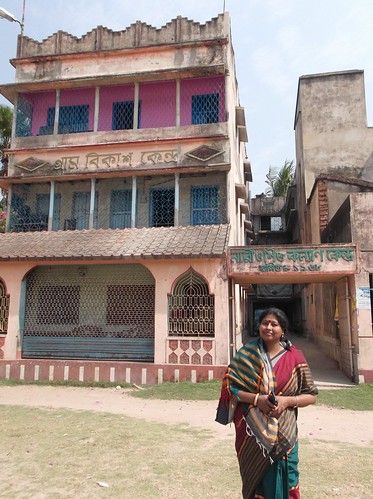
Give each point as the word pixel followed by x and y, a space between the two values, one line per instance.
pixel 315 422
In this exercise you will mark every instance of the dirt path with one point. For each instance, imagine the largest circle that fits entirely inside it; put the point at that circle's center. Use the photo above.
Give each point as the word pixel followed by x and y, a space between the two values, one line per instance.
pixel 314 422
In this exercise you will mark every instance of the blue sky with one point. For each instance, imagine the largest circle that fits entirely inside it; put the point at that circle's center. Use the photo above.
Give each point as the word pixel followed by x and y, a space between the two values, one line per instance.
pixel 275 42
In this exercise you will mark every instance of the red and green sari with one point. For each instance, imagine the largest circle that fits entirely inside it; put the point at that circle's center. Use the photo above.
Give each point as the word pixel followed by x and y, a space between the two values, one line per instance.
pixel 267 448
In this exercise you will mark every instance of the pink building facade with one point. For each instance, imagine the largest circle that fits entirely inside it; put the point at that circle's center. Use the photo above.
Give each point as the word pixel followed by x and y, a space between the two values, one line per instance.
pixel 126 183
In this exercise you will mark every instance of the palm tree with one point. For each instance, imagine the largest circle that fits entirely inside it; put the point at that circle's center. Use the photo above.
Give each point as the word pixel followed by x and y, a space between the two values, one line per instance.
pixel 6 118
pixel 280 179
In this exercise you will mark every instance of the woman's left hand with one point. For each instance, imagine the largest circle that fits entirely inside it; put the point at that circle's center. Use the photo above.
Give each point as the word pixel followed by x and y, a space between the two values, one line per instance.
pixel 281 406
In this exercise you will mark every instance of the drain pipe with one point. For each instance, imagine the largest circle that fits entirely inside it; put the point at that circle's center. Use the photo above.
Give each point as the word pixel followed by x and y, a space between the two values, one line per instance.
pixel 351 347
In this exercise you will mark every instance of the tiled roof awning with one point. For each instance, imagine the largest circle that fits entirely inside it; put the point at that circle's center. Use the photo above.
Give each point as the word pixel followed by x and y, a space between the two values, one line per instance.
pixel 165 242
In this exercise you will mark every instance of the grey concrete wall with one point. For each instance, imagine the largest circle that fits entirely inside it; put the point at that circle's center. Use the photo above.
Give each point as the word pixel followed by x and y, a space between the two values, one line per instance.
pixel 331 126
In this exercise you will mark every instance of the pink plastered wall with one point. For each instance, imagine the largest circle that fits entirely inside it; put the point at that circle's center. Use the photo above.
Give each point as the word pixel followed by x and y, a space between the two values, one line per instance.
pixel 109 95
pixel 200 86
pixel 80 96
pixel 158 104
pixel 40 103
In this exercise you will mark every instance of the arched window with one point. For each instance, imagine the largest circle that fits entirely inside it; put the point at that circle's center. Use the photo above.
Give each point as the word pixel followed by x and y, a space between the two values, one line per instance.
pixel 4 309
pixel 191 307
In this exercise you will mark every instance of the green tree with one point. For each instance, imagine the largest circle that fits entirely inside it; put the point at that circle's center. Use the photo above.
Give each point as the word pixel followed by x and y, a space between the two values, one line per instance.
pixel 6 117
pixel 280 179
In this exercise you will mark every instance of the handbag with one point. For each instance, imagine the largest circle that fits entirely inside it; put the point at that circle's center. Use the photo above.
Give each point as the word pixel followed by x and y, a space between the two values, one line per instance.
pixel 225 411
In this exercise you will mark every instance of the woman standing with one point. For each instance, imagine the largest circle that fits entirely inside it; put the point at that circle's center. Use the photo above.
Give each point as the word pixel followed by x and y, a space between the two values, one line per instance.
pixel 267 381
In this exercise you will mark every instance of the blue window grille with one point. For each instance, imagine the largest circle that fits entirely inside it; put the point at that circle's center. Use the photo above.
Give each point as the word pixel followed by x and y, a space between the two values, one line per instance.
pixel 162 207
pixel 42 209
pixel 205 109
pixel 123 115
pixel 71 119
pixel 80 210
pixel 205 205
pixel 120 209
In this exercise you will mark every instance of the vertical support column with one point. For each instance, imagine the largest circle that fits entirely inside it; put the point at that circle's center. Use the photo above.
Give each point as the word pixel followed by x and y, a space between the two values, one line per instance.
pixel 57 111
pixel 232 320
pixel 92 203
pixel 15 113
pixel 136 107
pixel 97 109
pixel 178 104
pixel 177 199
pixel 51 206
pixel 133 205
pixel 229 184
pixel 10 193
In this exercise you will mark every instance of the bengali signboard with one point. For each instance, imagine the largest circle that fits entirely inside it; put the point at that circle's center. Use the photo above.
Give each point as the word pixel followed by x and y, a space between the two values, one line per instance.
pixel 292 260
pixel 92 162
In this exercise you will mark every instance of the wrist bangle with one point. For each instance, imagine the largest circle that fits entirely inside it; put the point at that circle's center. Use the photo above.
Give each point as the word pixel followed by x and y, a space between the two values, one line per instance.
pixel 296 402
pixel 255 403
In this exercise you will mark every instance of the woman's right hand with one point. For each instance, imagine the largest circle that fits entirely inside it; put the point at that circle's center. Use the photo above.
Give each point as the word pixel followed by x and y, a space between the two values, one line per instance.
pixel 265 405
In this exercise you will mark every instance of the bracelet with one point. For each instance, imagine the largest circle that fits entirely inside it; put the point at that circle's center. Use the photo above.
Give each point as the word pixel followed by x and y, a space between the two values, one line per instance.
pixel 255 403
pixel 296 402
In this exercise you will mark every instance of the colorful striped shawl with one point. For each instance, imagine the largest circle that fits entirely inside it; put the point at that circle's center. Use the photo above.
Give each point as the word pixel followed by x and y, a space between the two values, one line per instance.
pixel 251 371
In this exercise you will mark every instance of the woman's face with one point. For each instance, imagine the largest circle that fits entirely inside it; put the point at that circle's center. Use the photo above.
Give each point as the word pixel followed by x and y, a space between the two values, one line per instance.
pixel 270 330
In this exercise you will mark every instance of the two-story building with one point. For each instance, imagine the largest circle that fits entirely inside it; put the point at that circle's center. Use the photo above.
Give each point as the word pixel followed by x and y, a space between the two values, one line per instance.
pixel 334 191
pixel 126 183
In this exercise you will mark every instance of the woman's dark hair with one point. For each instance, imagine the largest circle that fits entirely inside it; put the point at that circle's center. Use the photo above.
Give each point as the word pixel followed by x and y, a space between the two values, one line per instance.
pixel 280 316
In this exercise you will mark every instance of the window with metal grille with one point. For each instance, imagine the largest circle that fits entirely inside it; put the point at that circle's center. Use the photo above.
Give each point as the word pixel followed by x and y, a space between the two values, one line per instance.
pixel 162 207
pixel 123 115
pixel 24 118
pixel 205 205
pixel 120 209
pixel 191 308
pixel 80 210
pixel 71 119
pixel 42 210
pixel 4 309
pixel 205 109
pixel 58 304
pixel 131 305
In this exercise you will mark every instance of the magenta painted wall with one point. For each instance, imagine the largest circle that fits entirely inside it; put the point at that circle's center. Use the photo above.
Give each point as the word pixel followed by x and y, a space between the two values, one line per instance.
pixel 74 97
pixel 109 95
pixel 200 86
pixel 158 104
pixel 40 102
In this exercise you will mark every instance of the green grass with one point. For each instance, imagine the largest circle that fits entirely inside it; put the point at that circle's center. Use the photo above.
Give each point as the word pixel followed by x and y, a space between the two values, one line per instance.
pixel 209 390
pixel 356 398
pixel 89 384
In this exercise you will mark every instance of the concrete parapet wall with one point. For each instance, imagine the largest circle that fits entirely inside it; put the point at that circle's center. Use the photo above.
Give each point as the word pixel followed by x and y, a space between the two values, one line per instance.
pixel 139 34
